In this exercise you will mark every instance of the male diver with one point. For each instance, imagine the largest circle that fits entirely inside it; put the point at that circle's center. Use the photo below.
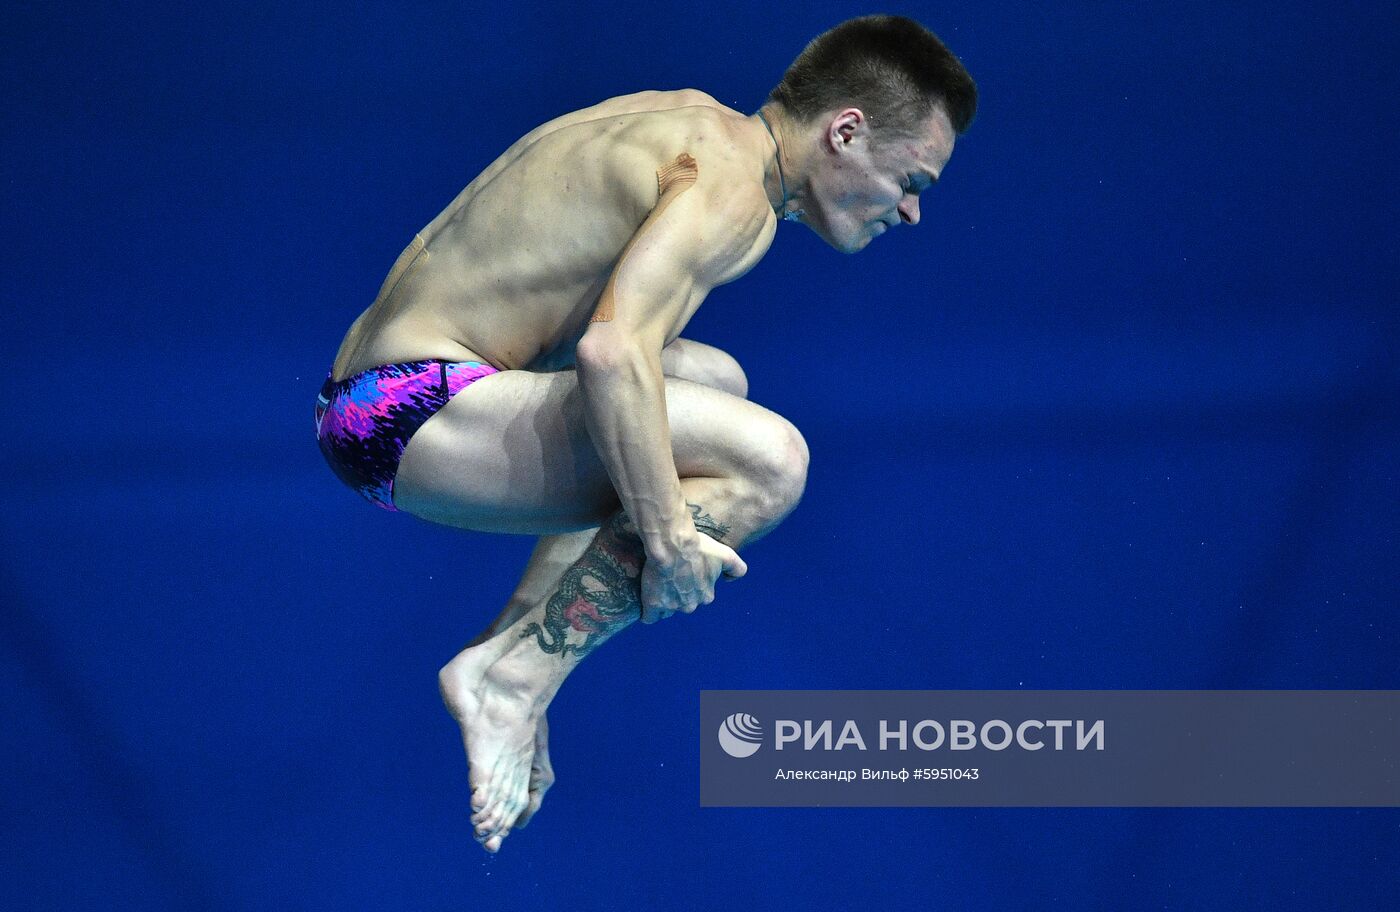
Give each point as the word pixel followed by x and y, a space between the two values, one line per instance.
pixel 556 286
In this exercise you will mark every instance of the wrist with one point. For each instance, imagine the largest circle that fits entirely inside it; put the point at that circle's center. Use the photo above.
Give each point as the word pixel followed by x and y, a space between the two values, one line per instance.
pixel 670 544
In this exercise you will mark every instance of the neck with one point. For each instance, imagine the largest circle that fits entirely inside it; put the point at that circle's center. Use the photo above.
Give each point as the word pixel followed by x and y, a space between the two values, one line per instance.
pixel 774 125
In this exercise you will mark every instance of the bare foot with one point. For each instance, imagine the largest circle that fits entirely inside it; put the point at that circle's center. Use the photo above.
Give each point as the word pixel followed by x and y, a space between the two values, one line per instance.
pixel 541 774
pixel 500 711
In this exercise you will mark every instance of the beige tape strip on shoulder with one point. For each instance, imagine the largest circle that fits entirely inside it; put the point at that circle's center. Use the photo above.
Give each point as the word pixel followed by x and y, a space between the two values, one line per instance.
pixel 672 179
pixel 414 255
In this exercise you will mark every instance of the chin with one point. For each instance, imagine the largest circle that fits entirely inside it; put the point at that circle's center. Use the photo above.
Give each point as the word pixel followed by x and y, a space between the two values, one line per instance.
pixel 848 244
pixel 852 240
pixel 855 244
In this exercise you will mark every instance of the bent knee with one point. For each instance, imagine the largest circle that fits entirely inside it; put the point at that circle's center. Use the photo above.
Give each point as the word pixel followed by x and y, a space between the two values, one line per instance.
pixel 780 465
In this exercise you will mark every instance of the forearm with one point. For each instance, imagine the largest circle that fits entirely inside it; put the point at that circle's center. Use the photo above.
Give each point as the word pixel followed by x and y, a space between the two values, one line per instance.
pixel 624 396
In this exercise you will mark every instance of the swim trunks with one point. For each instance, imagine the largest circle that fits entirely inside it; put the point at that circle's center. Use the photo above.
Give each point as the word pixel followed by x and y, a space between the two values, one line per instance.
pixel 364 422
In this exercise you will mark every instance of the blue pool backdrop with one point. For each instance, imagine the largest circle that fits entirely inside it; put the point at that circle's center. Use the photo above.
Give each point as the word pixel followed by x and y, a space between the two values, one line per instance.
pixel 1123 412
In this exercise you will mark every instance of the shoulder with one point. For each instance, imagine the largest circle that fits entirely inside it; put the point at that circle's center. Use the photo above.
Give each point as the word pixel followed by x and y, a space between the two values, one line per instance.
pixel 725 209
pixel 699 175
pixel 667 99
pixel 729 218
pixel 649 101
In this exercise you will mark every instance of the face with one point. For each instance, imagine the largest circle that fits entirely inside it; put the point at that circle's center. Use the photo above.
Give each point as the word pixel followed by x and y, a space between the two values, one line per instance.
pixel 863 186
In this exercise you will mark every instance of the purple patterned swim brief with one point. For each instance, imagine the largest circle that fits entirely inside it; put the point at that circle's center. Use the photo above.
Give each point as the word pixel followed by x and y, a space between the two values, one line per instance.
pixel 364 422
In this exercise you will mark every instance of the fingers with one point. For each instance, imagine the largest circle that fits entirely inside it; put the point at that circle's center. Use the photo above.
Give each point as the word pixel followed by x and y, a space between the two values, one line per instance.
pixel 734 566
pixel 692 584
pixel 731 565
pixel 653 613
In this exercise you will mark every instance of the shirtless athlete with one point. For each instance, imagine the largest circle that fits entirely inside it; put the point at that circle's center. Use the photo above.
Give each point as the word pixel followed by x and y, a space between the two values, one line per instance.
pixel 556 286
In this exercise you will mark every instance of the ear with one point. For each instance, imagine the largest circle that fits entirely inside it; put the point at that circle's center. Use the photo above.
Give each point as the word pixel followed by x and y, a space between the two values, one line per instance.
pixel 847 126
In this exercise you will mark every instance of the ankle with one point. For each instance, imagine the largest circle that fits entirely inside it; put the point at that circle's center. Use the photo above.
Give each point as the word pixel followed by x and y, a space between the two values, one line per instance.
pixel 476 681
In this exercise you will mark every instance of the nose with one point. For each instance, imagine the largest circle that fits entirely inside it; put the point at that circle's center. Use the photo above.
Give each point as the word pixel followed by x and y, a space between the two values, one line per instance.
pixel 909 210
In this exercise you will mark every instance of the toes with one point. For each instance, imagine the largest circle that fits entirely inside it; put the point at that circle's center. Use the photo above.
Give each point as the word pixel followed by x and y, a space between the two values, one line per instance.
pixel 501 795
pixel 498 817
pixel 494 838
pixel 487 820
pixel 491 822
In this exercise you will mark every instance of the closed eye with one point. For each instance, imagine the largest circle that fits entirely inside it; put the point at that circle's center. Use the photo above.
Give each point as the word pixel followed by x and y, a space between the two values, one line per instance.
pixel 929 181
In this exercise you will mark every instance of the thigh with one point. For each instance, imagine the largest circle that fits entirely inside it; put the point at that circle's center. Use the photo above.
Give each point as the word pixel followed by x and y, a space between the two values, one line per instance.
pixel 511 453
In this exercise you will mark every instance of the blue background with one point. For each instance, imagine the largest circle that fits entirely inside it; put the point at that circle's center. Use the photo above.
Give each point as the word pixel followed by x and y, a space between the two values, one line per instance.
pixel 1123 412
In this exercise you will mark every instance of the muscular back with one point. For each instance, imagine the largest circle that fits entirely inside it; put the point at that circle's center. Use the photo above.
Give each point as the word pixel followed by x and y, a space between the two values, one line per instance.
pixel 510 272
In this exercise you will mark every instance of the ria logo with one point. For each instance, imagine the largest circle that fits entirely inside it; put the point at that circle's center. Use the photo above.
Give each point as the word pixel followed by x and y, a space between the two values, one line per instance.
pixel 740 735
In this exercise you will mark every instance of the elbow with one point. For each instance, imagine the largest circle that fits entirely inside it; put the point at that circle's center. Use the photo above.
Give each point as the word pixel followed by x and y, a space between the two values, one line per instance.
pixel 595 352
pixel 605 350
